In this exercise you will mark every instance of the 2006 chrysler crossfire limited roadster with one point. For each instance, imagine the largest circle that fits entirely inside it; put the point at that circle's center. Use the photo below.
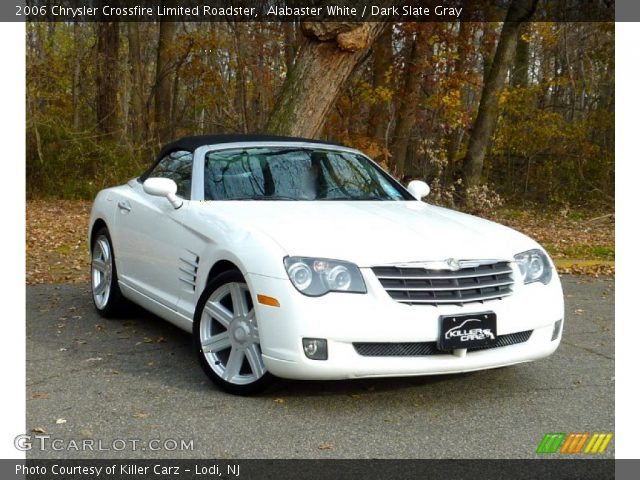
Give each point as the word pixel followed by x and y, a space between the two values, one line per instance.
pixel 300 259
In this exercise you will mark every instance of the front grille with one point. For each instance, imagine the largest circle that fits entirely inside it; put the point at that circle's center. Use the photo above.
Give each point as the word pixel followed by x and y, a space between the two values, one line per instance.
pixel 506 340
pixel 423 286
pixel 429 348
pixel 397 349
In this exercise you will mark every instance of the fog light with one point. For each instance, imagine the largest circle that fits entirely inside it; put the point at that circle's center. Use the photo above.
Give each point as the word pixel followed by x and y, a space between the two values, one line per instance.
pixel 315 348
pixel 557 328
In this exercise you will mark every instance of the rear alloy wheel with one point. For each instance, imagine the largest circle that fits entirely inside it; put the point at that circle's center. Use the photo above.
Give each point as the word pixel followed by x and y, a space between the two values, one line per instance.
pixel 226 336
pixel 107 297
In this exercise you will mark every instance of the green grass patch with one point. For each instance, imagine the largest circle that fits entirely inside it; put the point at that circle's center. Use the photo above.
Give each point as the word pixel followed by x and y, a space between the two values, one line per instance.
pixel 577 215
pixel 64 249
pixel 571 262
pixel 582 252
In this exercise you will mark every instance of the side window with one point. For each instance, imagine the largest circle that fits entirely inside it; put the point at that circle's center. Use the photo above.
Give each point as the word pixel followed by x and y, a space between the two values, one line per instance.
pixel 176 166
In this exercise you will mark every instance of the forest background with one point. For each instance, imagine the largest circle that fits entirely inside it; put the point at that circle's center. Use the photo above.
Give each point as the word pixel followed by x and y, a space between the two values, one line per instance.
pixel 510 120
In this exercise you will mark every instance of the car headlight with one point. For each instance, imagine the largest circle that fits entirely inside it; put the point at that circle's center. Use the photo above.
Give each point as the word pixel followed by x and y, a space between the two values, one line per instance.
pixel 534 266
pixel 318 276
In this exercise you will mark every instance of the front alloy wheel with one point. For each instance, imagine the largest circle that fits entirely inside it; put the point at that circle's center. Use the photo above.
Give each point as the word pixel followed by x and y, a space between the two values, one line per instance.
pixel 226 336
pixel 107 297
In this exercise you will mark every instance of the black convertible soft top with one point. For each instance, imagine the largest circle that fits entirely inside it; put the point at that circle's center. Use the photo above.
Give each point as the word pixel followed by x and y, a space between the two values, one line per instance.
pixel 189 144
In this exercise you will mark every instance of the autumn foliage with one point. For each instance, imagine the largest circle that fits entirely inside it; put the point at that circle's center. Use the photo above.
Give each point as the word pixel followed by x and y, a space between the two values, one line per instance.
pixel 102 98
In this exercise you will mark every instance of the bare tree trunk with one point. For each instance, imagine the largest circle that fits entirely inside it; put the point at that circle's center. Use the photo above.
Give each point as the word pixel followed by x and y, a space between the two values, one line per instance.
pixel 162 90
pixel 107 77
pixel 138 88
pixel 125 101
pixel 327 57
pixel 290 45
pixel 176 94
pixel 41 48
pixel 520 76
pixel 417 65
pixel 382 58
pixel 241 46
pixel 519 11
pixel 454 138
pixel 36 131
pixel 258 105
pixel 78 44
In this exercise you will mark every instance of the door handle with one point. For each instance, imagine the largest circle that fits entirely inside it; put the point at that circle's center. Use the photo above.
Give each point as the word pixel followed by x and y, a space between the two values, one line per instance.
pixel 124 205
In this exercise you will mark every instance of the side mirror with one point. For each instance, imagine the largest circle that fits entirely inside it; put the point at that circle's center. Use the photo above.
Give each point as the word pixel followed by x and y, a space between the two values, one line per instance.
pixel 418 189
pixel 162 187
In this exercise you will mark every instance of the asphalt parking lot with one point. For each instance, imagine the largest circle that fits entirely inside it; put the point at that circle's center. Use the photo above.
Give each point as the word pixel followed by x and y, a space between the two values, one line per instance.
pixel 136 379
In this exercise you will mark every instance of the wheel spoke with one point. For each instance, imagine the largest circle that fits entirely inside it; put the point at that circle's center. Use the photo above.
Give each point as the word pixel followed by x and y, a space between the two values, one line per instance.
pixel 255 360
pixel 234 364
pixel 102 286
pixel 253 330
pixel 239 299
pixel 216 343
pixel 104 250
pixel 99 264
pixel 219 312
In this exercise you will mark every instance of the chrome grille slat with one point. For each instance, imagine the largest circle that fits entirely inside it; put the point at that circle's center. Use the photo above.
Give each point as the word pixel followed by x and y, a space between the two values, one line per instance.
pixel 470 287
pixel 422 286
pixel 454 301
pixel 441 277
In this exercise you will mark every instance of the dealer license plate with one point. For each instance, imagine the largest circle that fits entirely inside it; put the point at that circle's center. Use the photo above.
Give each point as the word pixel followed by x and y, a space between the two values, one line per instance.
pixel 467 331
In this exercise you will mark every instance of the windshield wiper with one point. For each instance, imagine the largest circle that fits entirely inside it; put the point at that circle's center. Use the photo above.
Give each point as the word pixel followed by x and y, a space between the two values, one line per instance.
pixel 264 197
pixel 360 198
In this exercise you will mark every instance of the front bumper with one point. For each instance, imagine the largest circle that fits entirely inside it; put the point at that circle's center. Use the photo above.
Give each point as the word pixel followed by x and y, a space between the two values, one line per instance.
pixel 344 319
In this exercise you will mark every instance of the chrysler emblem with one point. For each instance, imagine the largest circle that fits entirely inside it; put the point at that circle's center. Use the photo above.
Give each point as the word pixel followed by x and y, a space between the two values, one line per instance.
pixel 453 263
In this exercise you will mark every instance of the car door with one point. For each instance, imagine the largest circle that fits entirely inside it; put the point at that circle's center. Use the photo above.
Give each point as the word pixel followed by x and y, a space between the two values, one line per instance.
pixel 150 232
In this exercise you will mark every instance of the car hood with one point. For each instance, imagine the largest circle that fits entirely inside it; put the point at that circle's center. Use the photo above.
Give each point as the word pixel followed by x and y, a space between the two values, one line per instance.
pixel 375 233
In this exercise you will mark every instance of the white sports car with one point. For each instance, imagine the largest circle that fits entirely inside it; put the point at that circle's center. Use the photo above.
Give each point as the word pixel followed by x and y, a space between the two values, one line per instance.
pixel 301 259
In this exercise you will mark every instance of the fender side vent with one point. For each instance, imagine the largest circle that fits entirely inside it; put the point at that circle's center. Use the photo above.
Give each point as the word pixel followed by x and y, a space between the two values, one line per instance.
pixel 188 270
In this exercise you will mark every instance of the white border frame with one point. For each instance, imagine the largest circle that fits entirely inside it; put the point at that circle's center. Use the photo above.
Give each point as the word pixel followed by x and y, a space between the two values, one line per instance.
pixel 12 242
pixel 12 246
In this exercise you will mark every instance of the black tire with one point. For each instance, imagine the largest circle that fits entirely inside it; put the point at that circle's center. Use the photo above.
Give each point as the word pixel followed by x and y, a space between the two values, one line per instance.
pixel 236 345
pixel 105 291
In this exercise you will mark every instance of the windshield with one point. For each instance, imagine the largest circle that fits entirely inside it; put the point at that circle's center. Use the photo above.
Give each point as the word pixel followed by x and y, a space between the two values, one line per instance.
pixel 294 173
